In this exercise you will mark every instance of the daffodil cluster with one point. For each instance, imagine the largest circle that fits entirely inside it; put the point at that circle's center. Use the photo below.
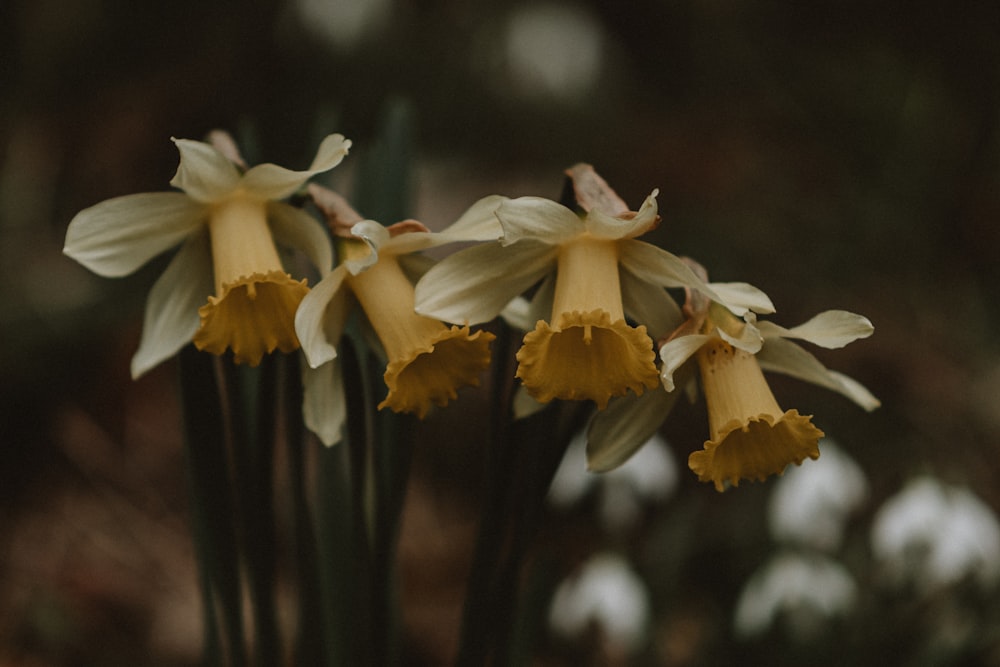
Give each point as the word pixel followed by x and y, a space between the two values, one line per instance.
pixel 592 298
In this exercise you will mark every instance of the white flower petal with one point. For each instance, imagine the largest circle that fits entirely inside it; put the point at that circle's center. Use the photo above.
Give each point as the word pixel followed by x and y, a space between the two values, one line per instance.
pixel 324 406
pixel 782 356
pixel 675 352
pixel 292 227
pixel 270 181
pixel 749 338
pixel 649 304
pixel 117 236
pixel 741 297
pixel 524 404
pixel 171 318
pixel 830 329
pixel 479 222
pixel 605 226
pixel 474 285
pixel 523 314
pixel 375 236
pixel 205 174
pixel 321 318
pixel 538 219
pixel 629 421
pixel 659 267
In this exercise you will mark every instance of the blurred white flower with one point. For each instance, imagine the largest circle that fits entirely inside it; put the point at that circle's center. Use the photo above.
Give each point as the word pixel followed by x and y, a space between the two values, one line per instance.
pixel 936 535
pixel 343 23
pixel 810 504
pixel 808 590
pixel 649 476
pixel 606 592
pixel 553 50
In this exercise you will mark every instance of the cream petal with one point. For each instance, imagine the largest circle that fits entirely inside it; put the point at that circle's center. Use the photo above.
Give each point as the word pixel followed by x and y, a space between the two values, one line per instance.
pixel 524 404
pixel 629 421
pixel 117 236
pixel 375 236
pixel 269 181
pixel 749 338
pixel 479 222
pixel 321 317
pixel 675 352
pixel 831 329
pixel 205 174
pixel 741 297
pixel 474 285
pixel 537 219
pixel 782 356
pixel 294 228
pixel 324 406
pixel 649 304
pixel 524 314
pixel 171 317
pixel 605 226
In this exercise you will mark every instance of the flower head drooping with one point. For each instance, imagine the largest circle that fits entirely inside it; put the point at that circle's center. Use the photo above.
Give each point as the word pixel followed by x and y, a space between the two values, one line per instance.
pixel 581 347
pixel 228 219
pixel 427 360
pixel 750 436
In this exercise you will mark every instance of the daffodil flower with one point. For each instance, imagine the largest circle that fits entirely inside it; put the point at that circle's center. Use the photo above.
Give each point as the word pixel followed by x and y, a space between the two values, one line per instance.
pixel 593 272
pixel 750 436
pixel 227 223
pixel 427 360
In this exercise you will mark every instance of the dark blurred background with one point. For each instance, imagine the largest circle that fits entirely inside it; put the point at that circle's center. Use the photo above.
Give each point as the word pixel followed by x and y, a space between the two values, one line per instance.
pixel 835 154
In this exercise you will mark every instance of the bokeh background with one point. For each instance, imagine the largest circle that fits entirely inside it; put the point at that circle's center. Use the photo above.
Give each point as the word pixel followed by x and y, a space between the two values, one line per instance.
pixel 835 154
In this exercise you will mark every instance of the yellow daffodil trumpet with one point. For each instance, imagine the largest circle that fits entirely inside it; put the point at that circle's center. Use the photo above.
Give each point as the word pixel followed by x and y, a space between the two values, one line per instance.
pixel 751 438
pixel 428 361
pixel 589 351
pixel 254 308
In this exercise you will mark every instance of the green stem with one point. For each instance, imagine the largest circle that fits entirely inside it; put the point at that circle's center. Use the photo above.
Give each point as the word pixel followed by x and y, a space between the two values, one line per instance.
pixel 212 505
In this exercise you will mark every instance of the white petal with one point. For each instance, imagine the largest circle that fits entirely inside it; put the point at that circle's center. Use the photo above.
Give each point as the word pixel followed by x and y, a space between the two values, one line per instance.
pixel 117 236
pixel 475 284
pixel 538 219
pixel 649 304
pixel 375 236
pixel 629 421
pixel 741 297
pixel 524 314
pixel 605 226
pixel 524 404
pixel 659 267
pixel 783 356
pixel 270 181
pixel 675 352
pixel 830 329
pixel 324 406
pixel 321 318
pixel 749 338
pixel 292 227
pixel 479 222
pixel 171 317
pixel 204 173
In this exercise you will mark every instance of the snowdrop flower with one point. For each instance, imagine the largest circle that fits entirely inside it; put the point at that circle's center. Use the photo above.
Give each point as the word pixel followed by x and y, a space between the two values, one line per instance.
pixel 809 505
pixel 593 272
pixel 750 436
pixel 936 535
pixel 809 589
pixel 427 361
pixel 605 592
pixel 228 222
pixel 650 475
